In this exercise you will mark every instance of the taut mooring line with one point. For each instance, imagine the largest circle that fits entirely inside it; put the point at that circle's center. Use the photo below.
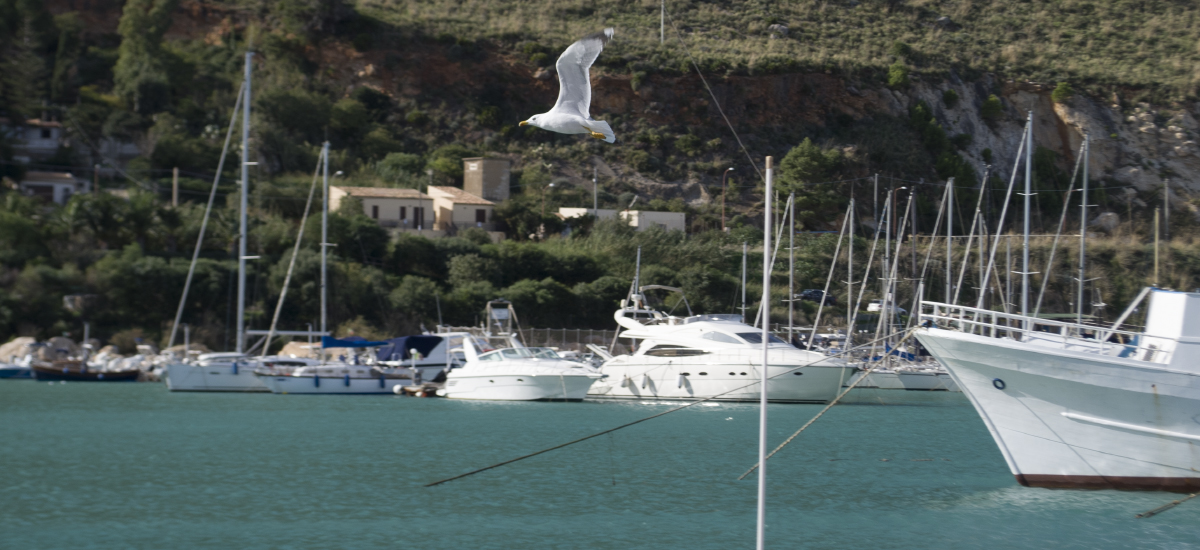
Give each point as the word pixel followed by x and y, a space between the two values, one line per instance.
pixel 666 412
pixel 1166 506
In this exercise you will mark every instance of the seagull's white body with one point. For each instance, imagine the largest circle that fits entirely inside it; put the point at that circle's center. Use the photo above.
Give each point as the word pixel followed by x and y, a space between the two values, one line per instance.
pixel 570 114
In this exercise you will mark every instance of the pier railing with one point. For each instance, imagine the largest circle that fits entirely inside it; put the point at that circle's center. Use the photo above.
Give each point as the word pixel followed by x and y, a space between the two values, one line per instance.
pixel 1059 334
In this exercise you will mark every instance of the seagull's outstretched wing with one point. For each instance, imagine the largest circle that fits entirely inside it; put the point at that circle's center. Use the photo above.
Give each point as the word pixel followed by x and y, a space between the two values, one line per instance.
pixel 574 79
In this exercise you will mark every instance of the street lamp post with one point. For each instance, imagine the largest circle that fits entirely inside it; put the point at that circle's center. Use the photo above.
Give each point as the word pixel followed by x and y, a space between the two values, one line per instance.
pixel 723 176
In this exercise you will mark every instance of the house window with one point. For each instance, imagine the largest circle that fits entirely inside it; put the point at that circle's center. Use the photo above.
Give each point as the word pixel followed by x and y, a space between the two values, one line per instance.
pixel 46 134
pixel 480 215
pixel 375 212
pixel 403 213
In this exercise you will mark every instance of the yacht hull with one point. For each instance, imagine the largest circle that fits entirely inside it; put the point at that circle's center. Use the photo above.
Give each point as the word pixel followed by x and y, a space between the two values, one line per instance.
pixel 926 381
pixel 518 387
pixel 217 378
pixel 332 385
pixel 877 379
pixel 723 382
pixel 1068 419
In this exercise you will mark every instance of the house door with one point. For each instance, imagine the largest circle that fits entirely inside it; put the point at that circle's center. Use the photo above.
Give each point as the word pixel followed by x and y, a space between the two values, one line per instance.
pixel 419 217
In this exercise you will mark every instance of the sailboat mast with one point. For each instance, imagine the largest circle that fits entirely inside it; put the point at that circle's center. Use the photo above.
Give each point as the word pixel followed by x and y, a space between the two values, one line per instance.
pixel 324 232
pixel 792 264
pixel 850 280
pixel 241 298
pixel 949 237
pixel 1028 194
pixel 744 282
pixel 766 341
pixel 1083 204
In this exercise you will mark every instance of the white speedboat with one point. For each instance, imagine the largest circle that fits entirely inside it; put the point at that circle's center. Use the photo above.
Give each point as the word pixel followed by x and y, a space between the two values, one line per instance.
pixel 227 371
pixel 519 374
pixel 1073 405
pixel 712 357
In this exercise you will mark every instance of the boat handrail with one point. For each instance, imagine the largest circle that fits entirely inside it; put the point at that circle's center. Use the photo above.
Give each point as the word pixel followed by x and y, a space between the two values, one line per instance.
pixel 1137 346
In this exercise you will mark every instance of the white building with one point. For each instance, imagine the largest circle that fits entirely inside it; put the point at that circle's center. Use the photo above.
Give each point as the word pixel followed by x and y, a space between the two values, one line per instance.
pixel 393 208
pixel 56 187
pixel 641 219
pixel 458 209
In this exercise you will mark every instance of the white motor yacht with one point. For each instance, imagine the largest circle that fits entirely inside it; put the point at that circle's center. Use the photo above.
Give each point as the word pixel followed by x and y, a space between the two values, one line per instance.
pixel 711 357
pixel 518 374
pixel 1081 406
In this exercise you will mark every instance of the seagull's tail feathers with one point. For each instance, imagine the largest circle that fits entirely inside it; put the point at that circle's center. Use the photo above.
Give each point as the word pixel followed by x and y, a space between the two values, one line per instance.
pixel 603 127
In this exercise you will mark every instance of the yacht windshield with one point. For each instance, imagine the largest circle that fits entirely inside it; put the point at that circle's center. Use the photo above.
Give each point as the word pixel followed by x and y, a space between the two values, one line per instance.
pixel 519 353
pixel 756 338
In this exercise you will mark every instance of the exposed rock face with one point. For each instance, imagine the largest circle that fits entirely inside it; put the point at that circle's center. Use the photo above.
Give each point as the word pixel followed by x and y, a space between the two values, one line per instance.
pixel 1106 221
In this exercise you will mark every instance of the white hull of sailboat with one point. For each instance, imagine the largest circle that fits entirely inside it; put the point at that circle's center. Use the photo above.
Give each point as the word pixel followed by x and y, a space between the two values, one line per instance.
pixel 221 377
pixel 332 385
pixel 1065 418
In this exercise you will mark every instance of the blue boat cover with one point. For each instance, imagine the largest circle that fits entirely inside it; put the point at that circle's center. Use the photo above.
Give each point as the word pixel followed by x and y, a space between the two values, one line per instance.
pixel 897 352
pixel 397 349
pixel 349 342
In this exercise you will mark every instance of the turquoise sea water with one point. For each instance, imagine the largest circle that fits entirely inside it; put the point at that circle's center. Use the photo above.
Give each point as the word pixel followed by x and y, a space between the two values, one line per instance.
pixel 133 466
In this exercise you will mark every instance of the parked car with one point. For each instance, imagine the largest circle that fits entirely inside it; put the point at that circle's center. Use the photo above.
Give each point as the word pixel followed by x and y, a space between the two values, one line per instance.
pixel 814 295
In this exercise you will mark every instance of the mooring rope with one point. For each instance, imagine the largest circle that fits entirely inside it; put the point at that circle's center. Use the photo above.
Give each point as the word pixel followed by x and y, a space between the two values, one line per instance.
pixel 1166 506
pixel 823 411
pixel 626 425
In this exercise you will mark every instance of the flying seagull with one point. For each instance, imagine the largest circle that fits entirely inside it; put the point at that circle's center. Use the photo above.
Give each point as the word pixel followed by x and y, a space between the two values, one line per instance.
pixel 570 114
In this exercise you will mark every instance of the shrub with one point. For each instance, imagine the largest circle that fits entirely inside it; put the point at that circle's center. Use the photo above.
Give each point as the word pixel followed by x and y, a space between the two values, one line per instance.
pixel 539 58
pixel 987 155
pixel 1062 92
pixel 950 98
pixel 901 49
pixel 961 141
pixel 897 76
pixel 688 144
pixel 991 109
pixel 417 117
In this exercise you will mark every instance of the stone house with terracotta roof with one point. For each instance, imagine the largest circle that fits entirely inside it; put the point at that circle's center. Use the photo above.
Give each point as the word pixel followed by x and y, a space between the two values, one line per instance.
pixel 457 209
pixel 393 208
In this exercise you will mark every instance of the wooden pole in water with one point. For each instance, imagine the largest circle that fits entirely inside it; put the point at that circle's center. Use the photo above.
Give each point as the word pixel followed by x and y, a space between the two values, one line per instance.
pixel 760 528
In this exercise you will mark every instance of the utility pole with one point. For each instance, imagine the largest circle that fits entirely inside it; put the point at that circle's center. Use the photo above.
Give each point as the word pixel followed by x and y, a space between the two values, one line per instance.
pixel 175 187
pixel 595 193
pixel 662 24
pixel 1167 209
pixel 96 178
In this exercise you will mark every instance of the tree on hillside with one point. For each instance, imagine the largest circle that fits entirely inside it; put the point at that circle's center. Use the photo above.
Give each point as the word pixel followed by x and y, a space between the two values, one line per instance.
pixel 140 76
pixel 806 164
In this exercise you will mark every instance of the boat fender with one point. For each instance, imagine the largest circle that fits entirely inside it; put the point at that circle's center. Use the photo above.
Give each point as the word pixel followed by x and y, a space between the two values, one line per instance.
pixel 999 384
pixel 100 376
pixel 316 380
pixel 381 382
pixel 64 370
pixel 625 382
pixel 346 380
pixel 645 380
pixel 235 365
pixel 398 390
pixel 682 380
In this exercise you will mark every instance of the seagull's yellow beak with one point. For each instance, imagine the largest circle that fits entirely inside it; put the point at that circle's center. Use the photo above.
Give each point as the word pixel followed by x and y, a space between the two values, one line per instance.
pixel 523 123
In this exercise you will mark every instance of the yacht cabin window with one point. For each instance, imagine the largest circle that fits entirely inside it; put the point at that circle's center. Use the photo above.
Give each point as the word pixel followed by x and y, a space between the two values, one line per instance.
pixel 756 338
pixel 721 337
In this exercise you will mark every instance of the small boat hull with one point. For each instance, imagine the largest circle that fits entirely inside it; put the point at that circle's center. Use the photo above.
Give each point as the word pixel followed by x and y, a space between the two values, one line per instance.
pixel 14 372
pixel 332 385
pixel 518 387
pixel 73 373
pixel 220 377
